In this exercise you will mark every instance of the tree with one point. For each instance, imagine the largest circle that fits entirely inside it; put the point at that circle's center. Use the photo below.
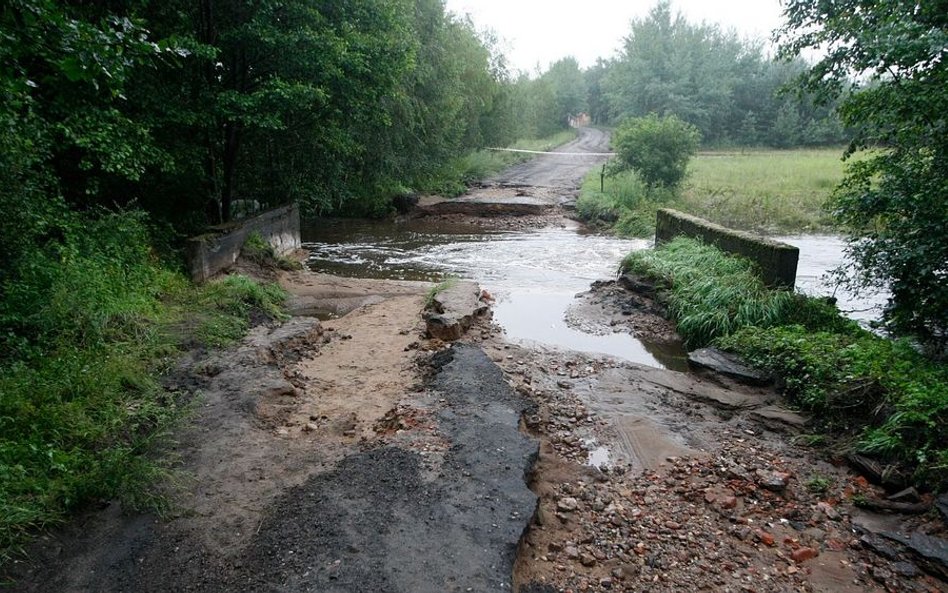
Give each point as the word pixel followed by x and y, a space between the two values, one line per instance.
pixel 657 148
pixel 894 201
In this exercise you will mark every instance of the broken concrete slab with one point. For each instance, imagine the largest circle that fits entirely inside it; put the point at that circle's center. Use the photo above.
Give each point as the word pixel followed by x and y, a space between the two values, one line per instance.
pixel 453 310
pixel 931 551
pixel 729 365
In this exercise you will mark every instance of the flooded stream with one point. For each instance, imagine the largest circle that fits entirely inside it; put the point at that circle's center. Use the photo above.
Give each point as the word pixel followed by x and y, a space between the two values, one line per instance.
pixel 534 275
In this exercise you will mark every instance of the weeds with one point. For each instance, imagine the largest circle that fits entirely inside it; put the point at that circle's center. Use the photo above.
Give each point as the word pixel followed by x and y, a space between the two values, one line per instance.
pixel 90 324
pixel 259 251
pixel 447 283
pixel 883 392
pixel 818 484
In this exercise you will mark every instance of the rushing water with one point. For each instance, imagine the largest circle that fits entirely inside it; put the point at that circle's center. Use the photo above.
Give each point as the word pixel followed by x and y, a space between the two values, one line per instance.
pixel 820 254
pixel 534 275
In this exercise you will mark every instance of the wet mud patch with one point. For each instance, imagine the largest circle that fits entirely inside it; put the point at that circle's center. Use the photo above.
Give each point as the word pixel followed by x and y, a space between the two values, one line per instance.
pixel 610 306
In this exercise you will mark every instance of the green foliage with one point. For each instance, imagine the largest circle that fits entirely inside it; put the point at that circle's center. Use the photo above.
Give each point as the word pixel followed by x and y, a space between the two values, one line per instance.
pixel 657 148
pixel 818 484
pixel 893 203
pixel 885 391
pixel 259 251
pixel 224 309
pixel 721 84
pixel 766 191
pixel 87 325
pixel 710 294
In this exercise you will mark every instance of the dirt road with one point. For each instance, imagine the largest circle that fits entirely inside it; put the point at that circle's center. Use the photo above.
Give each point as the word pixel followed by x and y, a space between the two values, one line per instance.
pixel 563 172
pixel 537 187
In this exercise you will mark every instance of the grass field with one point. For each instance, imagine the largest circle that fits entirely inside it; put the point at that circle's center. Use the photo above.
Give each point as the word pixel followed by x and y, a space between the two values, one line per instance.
pixel 768 191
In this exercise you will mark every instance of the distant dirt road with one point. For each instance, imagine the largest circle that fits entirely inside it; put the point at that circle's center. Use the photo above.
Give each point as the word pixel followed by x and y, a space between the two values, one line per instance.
pixel 566 171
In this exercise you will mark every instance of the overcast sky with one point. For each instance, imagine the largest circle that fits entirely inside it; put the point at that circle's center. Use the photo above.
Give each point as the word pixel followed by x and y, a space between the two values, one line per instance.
pixel 542 31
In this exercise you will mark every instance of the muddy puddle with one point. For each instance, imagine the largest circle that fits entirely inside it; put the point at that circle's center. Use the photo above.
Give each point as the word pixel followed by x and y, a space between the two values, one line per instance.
pixel 533 275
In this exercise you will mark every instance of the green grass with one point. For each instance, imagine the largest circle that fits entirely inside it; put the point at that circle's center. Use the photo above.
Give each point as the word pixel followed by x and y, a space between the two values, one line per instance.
pixel 884 394
pixel 259 251
pixel 88 329
pixel 712 295
pixel 455 177
pixel 768 191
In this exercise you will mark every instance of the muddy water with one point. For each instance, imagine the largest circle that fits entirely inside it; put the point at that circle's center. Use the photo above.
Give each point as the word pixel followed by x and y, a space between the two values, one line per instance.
pixel 819 254
pixel 534 275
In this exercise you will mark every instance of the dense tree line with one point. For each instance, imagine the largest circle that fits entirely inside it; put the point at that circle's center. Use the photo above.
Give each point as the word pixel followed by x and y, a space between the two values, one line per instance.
pixel 714 80
pixel 184 107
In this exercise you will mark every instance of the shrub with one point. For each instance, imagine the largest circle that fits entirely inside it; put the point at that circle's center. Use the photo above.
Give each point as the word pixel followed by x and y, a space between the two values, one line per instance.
pixel 656 148
pixel 88 323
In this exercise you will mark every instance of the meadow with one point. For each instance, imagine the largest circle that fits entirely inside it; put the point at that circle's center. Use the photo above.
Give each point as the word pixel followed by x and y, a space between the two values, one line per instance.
pixel 766 191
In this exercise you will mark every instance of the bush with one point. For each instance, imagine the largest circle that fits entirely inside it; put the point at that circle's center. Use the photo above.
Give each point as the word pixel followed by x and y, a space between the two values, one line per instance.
pixel 88 323
pixel 894 399
pixel 656 148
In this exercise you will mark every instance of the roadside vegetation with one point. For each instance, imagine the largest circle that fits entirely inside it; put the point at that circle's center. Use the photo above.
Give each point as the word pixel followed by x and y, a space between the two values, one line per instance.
pixel 91 325
pixel 870 394
pixel 769 191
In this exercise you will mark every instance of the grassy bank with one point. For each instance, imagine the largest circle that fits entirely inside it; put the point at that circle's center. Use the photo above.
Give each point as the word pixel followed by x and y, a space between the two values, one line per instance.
pixel 882 394
pixel 455 177
pixel 770 191
pixel 88 327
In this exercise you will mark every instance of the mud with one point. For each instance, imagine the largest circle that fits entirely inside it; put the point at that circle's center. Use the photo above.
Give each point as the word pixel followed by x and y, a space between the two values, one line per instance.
pixel 357 454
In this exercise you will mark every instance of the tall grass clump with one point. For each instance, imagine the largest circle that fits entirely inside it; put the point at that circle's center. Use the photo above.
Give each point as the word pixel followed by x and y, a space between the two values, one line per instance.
pixel 709 294
pixel 89 322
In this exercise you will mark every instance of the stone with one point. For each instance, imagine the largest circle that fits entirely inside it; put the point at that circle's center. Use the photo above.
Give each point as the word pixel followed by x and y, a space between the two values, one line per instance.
pixel 828 510
pixel 453 310
pixel 729 365
pixel 905 569
pixel 772 480
pixel 932 550
pixel 879 546
pixel 567 504
pixel 803 554
pixel 587 559
pixel 764 537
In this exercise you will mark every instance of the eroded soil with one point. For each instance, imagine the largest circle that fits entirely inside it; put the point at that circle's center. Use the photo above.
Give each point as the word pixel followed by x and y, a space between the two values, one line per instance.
pixel 358 454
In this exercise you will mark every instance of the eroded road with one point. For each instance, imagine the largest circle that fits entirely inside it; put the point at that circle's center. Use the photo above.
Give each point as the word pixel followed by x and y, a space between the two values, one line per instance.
pixel 359 454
